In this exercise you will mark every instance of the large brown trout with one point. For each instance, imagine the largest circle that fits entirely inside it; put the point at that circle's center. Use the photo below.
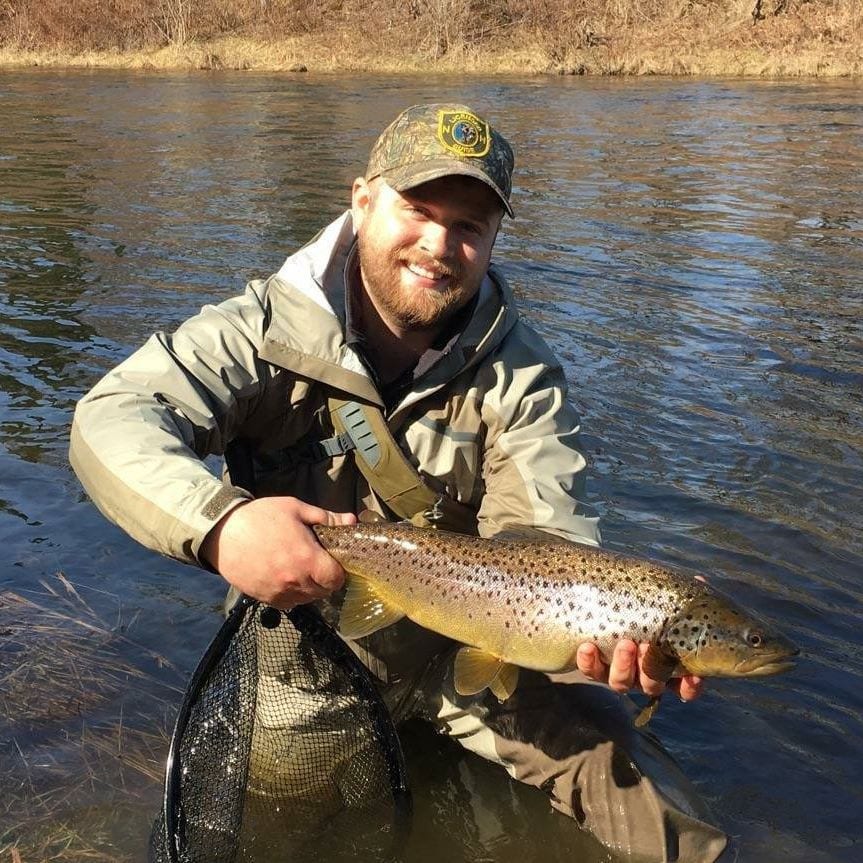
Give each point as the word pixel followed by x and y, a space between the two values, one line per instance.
pixel 532 602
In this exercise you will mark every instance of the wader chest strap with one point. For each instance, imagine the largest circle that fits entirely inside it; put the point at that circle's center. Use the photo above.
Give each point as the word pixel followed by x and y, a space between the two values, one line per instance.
pixel 389 473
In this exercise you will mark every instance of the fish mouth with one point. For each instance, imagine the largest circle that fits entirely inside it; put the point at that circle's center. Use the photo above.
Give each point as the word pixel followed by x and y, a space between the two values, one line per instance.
pixel 762 666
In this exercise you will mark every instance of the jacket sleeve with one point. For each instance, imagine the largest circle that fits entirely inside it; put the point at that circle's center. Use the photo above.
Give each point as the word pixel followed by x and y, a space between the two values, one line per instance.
pixel 533 465
pixel 140 436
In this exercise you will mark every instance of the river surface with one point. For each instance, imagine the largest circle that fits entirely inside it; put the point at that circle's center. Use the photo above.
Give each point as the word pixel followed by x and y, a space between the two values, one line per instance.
pixel 692 249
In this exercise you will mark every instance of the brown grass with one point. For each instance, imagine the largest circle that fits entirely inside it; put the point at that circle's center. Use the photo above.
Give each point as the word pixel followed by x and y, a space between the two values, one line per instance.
pixel 64 771
pixel 710 37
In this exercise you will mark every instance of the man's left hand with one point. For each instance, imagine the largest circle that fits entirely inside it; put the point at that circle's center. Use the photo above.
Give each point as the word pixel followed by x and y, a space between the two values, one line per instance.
pixel 625 671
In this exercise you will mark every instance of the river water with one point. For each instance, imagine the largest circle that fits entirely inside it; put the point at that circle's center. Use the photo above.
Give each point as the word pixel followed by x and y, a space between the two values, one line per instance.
pixel 692 249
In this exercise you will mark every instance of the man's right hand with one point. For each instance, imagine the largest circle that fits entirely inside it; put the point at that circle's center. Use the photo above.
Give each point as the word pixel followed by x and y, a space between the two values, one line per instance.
pixel 266 549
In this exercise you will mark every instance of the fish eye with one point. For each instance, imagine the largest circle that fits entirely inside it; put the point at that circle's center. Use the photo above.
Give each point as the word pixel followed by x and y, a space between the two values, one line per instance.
pixel 754 639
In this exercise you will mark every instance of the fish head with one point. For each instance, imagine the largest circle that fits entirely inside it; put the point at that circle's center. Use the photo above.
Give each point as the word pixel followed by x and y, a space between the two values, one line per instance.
pixel 712 637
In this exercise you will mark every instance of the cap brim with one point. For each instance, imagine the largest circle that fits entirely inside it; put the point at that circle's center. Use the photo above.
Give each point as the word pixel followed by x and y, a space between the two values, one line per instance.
pixel 410 176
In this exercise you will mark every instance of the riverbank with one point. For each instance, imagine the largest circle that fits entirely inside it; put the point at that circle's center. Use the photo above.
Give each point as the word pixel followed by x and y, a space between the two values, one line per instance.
pixel 819 38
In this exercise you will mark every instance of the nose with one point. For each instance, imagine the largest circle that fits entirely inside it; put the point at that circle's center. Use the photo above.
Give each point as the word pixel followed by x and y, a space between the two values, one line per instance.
pixel 436 240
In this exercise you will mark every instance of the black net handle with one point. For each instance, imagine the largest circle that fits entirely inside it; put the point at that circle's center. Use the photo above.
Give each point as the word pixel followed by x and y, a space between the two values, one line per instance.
pixel 308 622
pixel 172 809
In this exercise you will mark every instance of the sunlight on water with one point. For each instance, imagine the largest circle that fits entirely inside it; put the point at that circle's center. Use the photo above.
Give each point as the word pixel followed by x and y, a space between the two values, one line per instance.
pixel 691 249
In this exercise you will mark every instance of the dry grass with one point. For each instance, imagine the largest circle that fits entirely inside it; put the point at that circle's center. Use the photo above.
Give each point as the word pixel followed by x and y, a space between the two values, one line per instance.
pixel 65 771
pixel 707 37
pixel 58 659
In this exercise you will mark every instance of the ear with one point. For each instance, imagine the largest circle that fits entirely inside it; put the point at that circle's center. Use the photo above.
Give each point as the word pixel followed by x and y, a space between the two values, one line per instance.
pixel 361 201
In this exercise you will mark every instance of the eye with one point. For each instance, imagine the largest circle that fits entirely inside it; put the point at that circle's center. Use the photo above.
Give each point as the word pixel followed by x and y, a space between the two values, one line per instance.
pixel 754 639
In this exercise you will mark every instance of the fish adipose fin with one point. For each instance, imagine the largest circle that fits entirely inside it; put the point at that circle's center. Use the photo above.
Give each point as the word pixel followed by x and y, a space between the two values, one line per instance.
pixel 364 610
pixel 476 670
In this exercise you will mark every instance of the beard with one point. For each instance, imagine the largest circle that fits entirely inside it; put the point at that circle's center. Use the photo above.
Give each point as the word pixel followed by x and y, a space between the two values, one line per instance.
pixel 417 309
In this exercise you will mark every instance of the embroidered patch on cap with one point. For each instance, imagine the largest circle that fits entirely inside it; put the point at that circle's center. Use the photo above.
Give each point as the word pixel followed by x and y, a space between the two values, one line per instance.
pixel 463 133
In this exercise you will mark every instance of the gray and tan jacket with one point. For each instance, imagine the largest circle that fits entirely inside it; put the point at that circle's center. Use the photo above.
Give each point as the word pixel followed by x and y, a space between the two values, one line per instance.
pixel 488 423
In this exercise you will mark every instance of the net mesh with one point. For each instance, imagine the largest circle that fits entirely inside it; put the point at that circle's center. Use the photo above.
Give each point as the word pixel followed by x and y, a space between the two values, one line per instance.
pixel 283 750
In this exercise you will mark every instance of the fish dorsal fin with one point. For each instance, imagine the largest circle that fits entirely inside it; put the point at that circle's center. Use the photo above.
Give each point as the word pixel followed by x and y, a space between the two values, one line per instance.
pixel 369 516
pixel 524 532
pixel 476 670
pixel 364 610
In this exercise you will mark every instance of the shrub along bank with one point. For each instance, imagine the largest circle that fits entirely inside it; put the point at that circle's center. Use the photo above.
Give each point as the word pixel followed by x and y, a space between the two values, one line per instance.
pixel 713 37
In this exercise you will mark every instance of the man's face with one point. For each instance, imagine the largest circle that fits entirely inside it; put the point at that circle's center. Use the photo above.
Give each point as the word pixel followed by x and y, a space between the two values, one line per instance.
pixel 424 252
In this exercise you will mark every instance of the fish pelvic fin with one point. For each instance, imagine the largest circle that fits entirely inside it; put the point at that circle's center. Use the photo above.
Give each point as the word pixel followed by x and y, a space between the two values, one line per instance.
pixel 364 610
pixel 505 682
pixel 647 712
pixel 476 670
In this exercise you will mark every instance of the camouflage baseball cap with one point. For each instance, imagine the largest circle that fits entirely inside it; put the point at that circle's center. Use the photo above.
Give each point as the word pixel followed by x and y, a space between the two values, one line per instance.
pixel 430 141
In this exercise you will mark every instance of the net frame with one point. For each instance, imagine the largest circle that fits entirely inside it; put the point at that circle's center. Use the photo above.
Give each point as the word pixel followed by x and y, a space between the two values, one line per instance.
pixel 169 836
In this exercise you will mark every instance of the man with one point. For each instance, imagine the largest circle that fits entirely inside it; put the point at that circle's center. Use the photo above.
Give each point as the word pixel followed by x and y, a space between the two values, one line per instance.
pixel 395 310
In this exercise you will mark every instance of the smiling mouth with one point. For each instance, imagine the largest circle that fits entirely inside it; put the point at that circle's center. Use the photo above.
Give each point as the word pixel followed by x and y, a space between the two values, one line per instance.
pixel 431 274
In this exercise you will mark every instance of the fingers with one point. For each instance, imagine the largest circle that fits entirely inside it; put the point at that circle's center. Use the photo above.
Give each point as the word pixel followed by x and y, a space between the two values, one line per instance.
pixel 688 688
pixel 625 671
pixel 590 663
pixel 624 666
pixel 310 514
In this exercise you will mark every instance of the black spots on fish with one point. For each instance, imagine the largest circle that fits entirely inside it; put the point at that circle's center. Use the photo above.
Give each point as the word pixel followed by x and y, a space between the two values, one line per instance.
pixel 572 606
pixel 645 629
pixel 559 601
pixel 506 624
pixel 588 615
pixel 488 614
pixel 569 624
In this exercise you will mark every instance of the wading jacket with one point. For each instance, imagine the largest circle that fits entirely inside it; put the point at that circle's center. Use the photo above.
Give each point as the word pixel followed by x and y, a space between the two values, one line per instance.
pixel 488 422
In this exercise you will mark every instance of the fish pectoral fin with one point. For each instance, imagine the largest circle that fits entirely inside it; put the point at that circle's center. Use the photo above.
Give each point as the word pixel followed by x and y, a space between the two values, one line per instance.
pixel 476 670
pixel 647 712
pixel 658 665
pixel 364 610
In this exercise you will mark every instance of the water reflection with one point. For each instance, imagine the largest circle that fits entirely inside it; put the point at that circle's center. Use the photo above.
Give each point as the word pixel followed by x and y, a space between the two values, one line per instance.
pixel 691 249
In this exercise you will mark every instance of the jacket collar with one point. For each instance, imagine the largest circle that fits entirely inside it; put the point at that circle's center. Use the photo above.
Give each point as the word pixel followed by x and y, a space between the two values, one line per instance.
pixel 306 329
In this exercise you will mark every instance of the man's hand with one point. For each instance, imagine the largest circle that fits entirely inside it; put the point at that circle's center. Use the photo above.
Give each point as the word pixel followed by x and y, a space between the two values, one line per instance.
pixel 625 671
pixel 266 549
